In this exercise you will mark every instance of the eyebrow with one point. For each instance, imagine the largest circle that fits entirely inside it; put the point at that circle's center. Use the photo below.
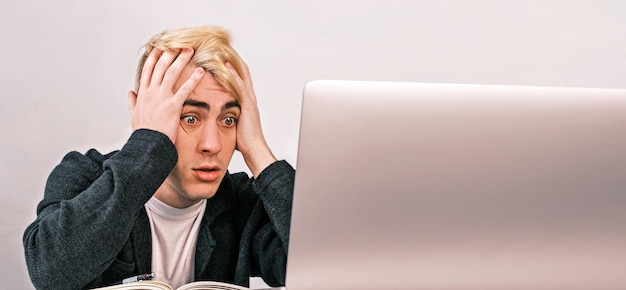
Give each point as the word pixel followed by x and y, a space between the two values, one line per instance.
pixel 203 105
pixel 195 103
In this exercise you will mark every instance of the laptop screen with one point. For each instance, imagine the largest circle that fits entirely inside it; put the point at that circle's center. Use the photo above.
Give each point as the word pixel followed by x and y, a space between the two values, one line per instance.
pixel 458 186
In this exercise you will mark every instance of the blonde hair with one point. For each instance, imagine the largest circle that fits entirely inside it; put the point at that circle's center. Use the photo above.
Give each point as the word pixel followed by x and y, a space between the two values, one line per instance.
pixel 212 50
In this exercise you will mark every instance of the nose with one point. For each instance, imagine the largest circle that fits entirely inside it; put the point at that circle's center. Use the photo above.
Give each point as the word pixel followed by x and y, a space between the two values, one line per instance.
pixel 210 139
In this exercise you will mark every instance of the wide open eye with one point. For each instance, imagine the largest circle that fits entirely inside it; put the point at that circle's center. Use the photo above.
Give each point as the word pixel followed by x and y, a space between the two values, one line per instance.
pixel 189 120
pixel 229 121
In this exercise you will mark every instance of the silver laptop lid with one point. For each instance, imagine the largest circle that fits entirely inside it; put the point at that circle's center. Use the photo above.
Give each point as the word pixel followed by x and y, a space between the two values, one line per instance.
pixel 454 186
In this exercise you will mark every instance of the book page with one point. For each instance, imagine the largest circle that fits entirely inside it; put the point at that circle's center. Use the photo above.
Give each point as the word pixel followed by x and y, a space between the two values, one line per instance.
pixel 209 285
pixel 140 285
pixel 158 285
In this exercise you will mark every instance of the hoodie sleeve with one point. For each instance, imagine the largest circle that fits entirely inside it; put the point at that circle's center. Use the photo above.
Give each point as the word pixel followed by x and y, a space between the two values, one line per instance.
pixel 89 206
pixel 267 230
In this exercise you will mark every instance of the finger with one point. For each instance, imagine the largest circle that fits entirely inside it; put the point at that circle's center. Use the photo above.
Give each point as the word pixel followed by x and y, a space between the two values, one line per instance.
pixel 173 72
pixel 183 92
pixel 240 59
pixel 247 79
pixel 148 67
pixel 245 84
pixel 162 65
pixel 234 72
pixel 244 66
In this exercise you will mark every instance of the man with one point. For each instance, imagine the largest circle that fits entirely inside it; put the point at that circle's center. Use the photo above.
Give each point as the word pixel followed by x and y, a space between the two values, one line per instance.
pixel 165 202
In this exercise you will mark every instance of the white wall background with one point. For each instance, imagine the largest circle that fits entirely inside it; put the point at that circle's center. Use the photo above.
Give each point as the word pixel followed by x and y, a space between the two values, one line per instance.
pixel 65 67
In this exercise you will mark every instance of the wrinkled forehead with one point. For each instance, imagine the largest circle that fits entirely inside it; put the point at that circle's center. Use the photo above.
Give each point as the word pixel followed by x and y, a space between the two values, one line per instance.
pixel 207 86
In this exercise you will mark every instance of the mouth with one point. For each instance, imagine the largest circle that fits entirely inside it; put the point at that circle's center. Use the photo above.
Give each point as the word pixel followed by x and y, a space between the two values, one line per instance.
pixel 209 173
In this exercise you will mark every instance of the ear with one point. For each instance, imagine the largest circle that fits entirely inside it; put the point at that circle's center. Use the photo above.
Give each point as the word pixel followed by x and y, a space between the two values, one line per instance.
pixel 132 100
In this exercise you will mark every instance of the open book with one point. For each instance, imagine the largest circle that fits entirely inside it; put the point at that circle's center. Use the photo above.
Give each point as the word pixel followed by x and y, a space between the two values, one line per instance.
pixel 157 285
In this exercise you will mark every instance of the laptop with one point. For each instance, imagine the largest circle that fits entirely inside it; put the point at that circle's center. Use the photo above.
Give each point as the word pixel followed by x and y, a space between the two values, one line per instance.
pixel 459 186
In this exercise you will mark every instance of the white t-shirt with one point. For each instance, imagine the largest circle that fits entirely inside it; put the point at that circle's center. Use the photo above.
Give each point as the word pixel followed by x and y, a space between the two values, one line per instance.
pixel 174 236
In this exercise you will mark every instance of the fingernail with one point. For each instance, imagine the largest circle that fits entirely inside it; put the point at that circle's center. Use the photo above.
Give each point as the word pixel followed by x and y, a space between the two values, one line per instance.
pixel 199 70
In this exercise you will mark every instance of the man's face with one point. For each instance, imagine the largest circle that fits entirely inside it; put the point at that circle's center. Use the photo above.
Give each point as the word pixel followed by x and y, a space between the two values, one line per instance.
pixel 205 143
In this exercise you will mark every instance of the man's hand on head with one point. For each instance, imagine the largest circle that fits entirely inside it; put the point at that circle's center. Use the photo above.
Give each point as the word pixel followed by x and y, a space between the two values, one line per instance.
pixel 156 105
pixel 250 139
